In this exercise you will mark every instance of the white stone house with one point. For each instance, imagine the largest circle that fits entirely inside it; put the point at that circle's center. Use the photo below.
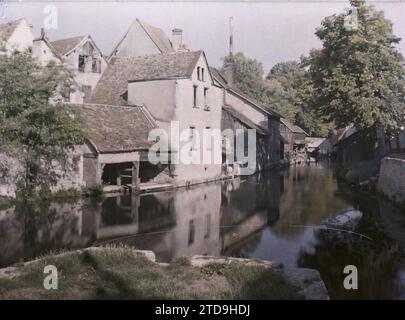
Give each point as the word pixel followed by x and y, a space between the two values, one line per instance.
pixel 175 86
pixel 84 59
pixel 16 36
pixel 143 39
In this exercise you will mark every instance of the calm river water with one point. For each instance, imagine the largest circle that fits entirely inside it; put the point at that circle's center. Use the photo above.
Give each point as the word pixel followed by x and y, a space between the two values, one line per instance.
pixel 272 216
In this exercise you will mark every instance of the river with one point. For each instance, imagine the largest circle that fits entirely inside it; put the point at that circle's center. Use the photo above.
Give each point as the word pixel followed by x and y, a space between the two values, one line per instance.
pixel 273 216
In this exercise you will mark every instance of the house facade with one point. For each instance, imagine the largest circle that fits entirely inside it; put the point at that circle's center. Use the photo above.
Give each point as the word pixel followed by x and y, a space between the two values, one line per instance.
pixel 84 59
pixel 143 39
pixel 293 149
pixel 242 112
pixel 173 87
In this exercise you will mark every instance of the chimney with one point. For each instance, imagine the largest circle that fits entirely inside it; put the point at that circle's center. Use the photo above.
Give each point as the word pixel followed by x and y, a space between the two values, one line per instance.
pixel 230 65
pixel 42 33
pixel 177 39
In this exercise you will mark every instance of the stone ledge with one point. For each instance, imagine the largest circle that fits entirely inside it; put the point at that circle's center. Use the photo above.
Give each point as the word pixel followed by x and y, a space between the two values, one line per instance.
pixel 201 261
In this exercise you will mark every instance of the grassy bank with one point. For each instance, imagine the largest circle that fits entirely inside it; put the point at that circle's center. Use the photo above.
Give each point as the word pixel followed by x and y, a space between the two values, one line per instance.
pixel 124 274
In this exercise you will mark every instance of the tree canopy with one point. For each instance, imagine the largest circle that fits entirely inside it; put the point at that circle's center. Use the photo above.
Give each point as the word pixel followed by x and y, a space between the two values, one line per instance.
pixel 38 133
pixel 357 77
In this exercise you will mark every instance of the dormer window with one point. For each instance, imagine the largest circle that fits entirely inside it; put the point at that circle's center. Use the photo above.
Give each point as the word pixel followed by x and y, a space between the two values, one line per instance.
pixel 198 73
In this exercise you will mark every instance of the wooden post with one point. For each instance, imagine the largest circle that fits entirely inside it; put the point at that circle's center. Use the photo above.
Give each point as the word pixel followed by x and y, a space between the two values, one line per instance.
pixel 135 175
pixel 135 202
pixel 99 178
pixel 118 177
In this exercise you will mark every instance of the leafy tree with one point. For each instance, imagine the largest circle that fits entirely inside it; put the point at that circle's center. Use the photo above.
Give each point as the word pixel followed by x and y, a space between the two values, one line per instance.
pixel 357 77
pixel 283 82
pixel 38 133
pixel 248 76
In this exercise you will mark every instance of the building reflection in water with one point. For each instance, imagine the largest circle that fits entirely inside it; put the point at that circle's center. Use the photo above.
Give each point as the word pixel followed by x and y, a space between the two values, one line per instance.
pixel 205 219
pixel 263 216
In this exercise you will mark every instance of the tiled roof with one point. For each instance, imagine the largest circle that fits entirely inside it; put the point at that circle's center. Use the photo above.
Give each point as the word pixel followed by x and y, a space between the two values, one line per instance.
pixel 158 37
pixel 63 46
pixel 292 127
pixel 221 79
pixel 245 120
pixel 113 85
pixel 113 128
pixel 343 134
pixel 7 29
pixel 218 76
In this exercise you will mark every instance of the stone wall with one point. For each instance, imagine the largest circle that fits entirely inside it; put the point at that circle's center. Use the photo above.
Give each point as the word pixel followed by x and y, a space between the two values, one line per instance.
pixel 392 178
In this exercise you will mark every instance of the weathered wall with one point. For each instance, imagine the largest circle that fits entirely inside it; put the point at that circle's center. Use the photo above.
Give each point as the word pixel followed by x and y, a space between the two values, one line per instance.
pixel 158 96
pixel 200 118
pixel 43 53
pixel 391 180
pixel 86 78
pixel 21 39
pixel 172 100
pixel 136 43
pixel 11 170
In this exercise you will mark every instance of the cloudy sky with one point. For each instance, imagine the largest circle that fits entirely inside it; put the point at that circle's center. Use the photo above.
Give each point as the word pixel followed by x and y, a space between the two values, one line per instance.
pixel 270 31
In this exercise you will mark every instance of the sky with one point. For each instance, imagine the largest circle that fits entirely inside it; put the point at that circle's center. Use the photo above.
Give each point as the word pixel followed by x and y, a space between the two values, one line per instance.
pixel 270 31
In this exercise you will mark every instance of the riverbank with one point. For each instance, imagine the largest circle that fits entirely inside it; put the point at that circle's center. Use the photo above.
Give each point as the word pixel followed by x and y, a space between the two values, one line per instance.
pixel 124 273
pixel 375 179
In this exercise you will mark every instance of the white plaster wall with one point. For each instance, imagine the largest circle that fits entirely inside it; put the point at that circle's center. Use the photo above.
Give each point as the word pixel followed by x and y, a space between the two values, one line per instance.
pixel 199 118
pixel 158 96
pixel 43 53
pixel 21 39
pixel 169 100
pixel 136 43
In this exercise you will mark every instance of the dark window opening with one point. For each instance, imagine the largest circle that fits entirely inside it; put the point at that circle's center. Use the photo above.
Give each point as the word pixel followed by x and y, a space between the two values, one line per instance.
pixel 194 96
pixel 202 74
pixel 198 73
pixel 206 97
pixel 82 62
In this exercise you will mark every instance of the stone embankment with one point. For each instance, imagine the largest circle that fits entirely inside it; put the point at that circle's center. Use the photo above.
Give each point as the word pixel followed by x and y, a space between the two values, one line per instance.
pixel 391 181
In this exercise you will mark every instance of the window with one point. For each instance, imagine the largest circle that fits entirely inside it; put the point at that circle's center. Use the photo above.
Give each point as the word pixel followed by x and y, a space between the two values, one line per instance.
pixel 195 96
pixel 198 73
pixel 82 62
pixel 95 66
pixel 192 138
pixel 202 74
pixel 206 97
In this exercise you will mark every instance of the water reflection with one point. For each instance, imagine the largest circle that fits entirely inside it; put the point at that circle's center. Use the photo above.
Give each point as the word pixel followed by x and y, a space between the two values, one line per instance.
pixel 265 216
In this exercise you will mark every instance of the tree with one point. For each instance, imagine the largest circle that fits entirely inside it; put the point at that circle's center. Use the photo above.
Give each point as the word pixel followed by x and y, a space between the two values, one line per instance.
pixel 39 134
pixel 283 82
pixel 248 76
pixel 358 75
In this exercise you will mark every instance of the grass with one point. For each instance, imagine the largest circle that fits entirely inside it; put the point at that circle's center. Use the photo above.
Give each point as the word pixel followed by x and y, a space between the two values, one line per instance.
pixel 120 273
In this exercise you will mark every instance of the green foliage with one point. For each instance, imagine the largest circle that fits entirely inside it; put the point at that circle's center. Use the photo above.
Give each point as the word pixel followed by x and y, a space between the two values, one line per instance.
pixel 281 90
pixel 248 76
pixel 38 133
pixel 358 75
